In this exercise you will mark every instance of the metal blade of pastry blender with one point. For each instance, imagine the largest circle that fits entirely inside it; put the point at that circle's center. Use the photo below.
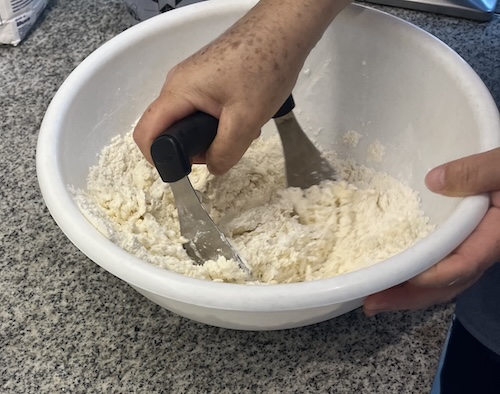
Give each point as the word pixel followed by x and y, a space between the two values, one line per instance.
pixel 172 152
pixel 305 166
pixel 206 241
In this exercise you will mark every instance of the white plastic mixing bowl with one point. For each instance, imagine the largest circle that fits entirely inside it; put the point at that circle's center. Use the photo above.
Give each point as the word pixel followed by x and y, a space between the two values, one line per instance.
pixel 371 72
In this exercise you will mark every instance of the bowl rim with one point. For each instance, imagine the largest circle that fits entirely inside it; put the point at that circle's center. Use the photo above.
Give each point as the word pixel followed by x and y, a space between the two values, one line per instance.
pixel 244 297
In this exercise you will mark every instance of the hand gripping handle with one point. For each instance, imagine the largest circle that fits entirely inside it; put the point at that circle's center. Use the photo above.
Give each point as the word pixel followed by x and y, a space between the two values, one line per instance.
pixel 173 150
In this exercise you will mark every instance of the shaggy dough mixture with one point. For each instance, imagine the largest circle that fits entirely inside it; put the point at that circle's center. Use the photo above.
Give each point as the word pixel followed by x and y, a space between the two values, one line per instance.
pixel 284 234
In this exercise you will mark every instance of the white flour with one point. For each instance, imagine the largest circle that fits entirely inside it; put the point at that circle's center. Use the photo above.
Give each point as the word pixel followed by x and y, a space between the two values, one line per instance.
pixel 285 235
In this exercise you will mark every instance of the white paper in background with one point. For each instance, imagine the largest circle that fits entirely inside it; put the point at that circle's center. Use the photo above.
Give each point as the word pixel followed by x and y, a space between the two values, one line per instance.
pixel 17 17
pixel 144 9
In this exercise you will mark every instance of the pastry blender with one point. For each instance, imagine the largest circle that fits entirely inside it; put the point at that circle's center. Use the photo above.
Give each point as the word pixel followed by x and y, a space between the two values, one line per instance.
pixel 172 153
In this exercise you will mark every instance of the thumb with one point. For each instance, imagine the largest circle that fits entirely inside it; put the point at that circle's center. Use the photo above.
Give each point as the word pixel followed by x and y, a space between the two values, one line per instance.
pixel 467 176
pixel 235 134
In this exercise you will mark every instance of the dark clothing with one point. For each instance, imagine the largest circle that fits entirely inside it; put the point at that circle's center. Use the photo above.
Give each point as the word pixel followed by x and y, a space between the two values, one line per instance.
pixel 469 367
pixel 470 361
pixel 478 309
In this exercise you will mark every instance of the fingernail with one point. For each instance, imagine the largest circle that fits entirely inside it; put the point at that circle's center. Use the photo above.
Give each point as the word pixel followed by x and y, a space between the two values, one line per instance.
pixel 372 312
pixel 435 179
pixel 375 305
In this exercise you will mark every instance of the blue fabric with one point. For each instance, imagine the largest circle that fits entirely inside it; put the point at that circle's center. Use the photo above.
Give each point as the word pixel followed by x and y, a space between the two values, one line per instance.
pixel 436 385
pixel 476 335
pixel 466 365
pixel 478 309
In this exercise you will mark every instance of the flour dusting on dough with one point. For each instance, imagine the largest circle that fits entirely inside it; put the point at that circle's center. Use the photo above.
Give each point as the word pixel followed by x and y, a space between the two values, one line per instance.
pixel 285 235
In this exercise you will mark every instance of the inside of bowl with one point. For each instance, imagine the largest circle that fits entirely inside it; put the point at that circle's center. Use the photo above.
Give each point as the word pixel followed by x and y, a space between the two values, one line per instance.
pixel 390 82
pixel 400 89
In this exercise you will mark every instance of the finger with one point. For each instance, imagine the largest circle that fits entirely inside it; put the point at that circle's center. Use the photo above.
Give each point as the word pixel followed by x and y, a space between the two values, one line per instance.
pixel 235 134
pixel 453 270
pixel 495 198
pixel 466 176
pixel 407 296
pixel 474 256
pixel 158 117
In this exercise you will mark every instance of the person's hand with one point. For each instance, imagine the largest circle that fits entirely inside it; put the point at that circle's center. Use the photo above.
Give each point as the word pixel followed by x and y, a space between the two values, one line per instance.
pixel 462 268
pixel 242 78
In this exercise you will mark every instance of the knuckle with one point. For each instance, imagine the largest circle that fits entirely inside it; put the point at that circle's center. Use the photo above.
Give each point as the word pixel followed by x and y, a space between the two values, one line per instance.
pixel 464 176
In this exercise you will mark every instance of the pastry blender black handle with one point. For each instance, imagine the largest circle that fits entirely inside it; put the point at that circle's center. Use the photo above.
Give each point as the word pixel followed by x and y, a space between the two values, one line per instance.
pixel 173 150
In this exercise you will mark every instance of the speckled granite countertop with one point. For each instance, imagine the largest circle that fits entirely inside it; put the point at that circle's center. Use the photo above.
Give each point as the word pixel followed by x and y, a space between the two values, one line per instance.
pixel 66 325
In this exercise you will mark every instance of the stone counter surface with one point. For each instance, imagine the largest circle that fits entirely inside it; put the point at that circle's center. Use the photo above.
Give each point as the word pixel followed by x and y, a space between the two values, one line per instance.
pixel 67 326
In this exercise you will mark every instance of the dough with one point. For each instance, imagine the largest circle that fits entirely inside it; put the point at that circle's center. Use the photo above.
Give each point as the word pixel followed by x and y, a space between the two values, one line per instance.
pixel 284 234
